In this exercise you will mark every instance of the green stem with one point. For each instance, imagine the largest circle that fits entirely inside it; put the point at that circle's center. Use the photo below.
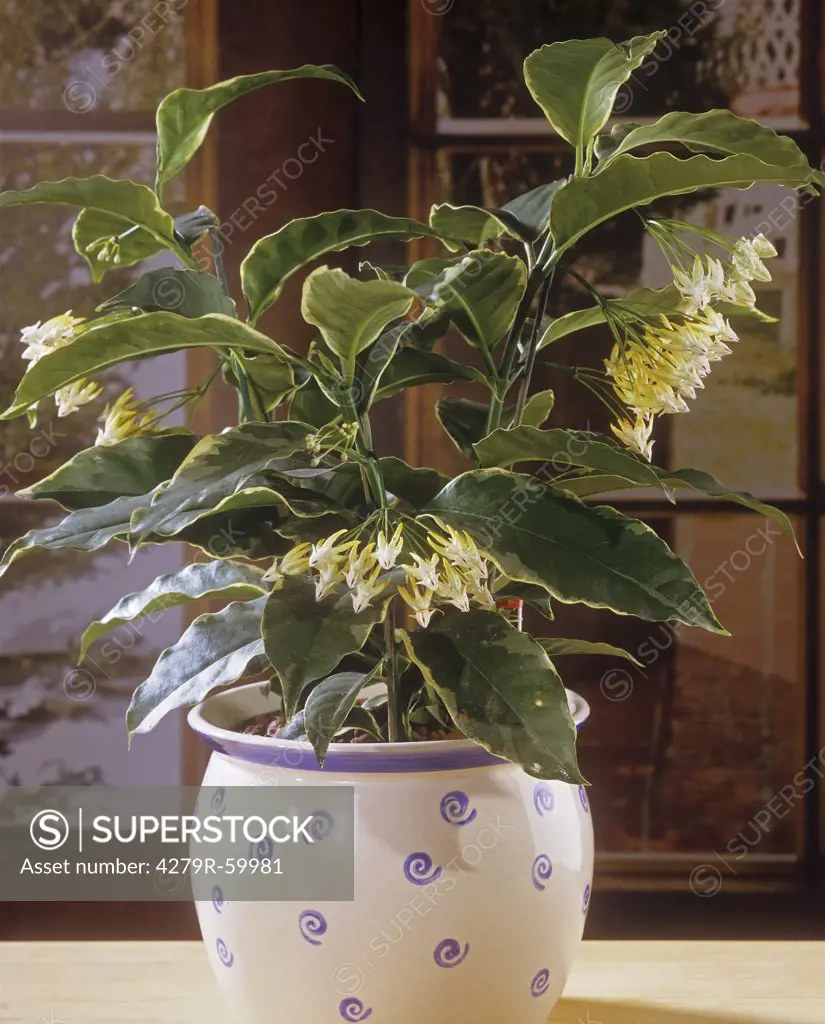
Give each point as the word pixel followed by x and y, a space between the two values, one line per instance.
pixel 395 713
pixel 532 351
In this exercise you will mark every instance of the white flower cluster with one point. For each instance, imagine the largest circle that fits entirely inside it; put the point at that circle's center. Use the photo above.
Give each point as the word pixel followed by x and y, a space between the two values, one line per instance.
pixel 42 338
pixel 659 367
pixel 456 573
pixel 124 418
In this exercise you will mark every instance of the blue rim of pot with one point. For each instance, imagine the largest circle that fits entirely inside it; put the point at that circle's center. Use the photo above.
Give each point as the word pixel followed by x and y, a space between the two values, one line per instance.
pixel 214 717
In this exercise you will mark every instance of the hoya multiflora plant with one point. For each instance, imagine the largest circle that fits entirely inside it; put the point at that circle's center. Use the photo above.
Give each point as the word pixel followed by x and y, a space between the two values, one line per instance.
pixel 345 570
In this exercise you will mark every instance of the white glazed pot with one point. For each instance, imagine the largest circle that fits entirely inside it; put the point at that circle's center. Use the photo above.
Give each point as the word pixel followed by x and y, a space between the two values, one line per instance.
pixel 472 884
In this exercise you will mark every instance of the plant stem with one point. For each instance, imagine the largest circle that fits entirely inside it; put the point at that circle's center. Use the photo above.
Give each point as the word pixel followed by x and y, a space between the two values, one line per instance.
pixel 532 351
pixel 240 373
pixel 395 714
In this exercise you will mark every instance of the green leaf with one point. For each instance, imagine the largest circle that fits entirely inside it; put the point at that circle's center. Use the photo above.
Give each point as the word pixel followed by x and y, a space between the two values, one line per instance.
pixel 676 480
pixel 643 302
pixel 534 595
pixel 87 529
pixel 538 408
pixel 137 337
pixel 184 116
pixel 104 473
pixel 372 365
pixel 580 554
pixel 476 225
pixel 310 405
pixel 630 181
pixel 717 131
pixel 558 647
pixel 560 449
pixel 275 258
pixel 190 227
pixel 271 380
pixel 464 420
pixel 413 367
pixel 96 226
pixel 414 484
pixel 576 82
pixel 216 470
pixel 188 293
pixel 349 313
pixel 500 689
pixel 330 704
pixel 306 639
pixel 532 209
pixel 481 294
pixel 195 582
pixel 360 718
pixel 215 650
pixel 126 200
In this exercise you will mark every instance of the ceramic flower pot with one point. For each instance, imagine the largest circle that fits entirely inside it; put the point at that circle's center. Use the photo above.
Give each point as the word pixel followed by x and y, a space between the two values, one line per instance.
pixel 472 884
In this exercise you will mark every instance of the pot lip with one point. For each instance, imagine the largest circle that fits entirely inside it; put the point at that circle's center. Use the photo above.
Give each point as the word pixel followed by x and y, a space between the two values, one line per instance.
pixel 360 758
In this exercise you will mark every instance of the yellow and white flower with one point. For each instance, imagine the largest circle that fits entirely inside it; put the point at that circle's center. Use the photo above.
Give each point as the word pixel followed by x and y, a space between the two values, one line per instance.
pixel 75 396
pixel 636 435
pixel 366 589
pixel 425 571
pixel 42 338
pixel 419 600
pixel 703 285
pixel 124 418
pixel 387 551
pixel 746 257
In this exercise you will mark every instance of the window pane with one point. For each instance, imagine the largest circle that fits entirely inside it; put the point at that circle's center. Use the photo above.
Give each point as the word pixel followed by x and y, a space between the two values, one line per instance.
pixel 734 53
pixel 101 54
pixel 684 752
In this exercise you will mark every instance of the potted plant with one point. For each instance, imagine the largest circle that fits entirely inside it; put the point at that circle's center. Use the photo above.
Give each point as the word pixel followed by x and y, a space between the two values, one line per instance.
pixel 380 601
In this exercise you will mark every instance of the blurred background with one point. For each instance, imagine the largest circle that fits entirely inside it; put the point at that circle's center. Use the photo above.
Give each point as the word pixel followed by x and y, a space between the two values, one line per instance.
pixel 706 763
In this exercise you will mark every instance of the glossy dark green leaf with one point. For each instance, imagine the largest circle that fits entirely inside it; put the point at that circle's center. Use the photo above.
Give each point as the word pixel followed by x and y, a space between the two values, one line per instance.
pixel 500 689
pixel 464 420
pixel 351 314
pixel 103 473
pixel 413 367
pixel 272 381
pixel 715 131
pixel 93 228
pixel 217 649
pixel 188 293
pixel 218 469
pixel 135 337
pixel 581 554
pixel 329 705
pixel 362 720
pixel 559 450
pixel 275 258
pixel 630 181
pixel 196 582
pixel 532 209
pixel 306 639
pixel 414 484
pixel 558 647
pixel 676 480
pixel 184 116
pixel 575 82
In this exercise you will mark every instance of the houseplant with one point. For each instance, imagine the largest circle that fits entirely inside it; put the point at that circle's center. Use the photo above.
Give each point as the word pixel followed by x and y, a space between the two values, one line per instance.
pixel 375 597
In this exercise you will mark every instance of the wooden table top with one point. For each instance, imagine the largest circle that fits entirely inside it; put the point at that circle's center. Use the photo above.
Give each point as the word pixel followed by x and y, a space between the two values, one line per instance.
pixel 612 983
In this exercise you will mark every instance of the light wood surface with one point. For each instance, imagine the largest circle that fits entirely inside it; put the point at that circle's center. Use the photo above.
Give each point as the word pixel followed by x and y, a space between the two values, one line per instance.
pixel 612 983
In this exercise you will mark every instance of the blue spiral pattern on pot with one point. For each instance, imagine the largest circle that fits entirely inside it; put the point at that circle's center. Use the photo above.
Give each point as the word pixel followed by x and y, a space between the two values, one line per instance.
pixel 312 923
pixel 584 800
pixel 449 953
pixel 225 957
pixel 542 870
pixel 543 798
pixel 540 984
pixel 353 1010
pixel 419 869
pixel 219 800
pixel 217 899
pixel 262 850
pixel 586 899
pixel 320 826
pixel 454 808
